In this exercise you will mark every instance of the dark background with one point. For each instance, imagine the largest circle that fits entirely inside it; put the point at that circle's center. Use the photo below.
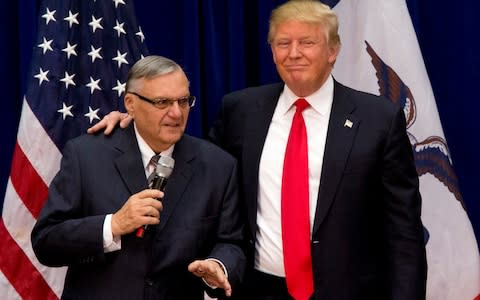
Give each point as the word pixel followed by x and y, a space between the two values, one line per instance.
pixel 222 46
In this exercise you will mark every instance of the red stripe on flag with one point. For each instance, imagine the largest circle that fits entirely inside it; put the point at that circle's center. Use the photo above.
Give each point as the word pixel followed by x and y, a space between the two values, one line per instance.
pixel 20 271
pixel 28 184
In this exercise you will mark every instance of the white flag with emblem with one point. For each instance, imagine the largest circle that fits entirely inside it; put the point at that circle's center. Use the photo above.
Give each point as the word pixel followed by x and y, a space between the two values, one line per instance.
pixel 380 54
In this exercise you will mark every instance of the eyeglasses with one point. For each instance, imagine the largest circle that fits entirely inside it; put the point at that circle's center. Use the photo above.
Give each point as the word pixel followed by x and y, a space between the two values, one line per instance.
pixel 183 102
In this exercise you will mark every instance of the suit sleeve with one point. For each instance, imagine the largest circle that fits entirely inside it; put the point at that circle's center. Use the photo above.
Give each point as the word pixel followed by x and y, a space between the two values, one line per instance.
pixel 407 258
pixel 63 235
pixel 230 235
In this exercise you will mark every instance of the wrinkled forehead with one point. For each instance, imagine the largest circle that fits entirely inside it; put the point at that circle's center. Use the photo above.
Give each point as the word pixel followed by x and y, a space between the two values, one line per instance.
pixel 175 80
pixel 298 30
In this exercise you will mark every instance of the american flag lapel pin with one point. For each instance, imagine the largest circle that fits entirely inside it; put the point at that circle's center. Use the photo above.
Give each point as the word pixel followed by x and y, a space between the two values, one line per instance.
pixel 348 123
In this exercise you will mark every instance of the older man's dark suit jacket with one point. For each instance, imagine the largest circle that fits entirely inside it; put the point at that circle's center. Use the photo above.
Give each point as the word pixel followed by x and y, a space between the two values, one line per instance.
pixel 367 240
pixel 200 219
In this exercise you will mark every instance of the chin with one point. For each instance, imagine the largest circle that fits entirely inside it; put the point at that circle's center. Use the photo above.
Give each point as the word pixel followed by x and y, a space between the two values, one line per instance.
pixel 173 137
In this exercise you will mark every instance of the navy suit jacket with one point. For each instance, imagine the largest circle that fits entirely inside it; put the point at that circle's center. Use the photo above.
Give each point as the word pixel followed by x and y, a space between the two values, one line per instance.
pixel 367 240
pixel 199 219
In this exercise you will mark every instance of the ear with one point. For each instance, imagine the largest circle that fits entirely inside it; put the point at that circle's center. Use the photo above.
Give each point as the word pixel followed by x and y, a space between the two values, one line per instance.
pixel 333 53
pixel 274 57
pixel 129 104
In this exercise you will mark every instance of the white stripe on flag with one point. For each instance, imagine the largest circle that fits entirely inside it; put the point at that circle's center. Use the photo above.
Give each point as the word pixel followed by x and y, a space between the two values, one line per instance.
pixel 7 290
pixel 19 223
pixel 42 153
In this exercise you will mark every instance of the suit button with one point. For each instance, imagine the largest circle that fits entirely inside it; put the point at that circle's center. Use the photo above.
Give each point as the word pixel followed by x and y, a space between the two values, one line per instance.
pixel 148 282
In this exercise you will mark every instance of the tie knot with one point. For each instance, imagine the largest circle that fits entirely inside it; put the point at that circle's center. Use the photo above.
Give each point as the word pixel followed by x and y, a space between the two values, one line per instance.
pixel 154 159
pixel 152 166
pixel 301 104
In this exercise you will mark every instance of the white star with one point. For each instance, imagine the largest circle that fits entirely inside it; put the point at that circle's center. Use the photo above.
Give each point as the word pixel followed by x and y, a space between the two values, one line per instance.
pixel 140 34
pixel 95 53
pixel 120 58
pixel 70 49
pixel 120 88
pixel 49 16
pixel 42 76
pixel 68 79
pixel 117 2
pixel 93 85
pixel 119 28
pixel 92 114
pixel 46 45
pixel 66 111
pixel 72 18
pixel 96 24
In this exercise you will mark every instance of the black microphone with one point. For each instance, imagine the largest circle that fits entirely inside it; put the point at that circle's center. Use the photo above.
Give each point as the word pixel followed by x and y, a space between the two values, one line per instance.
pixel 162 172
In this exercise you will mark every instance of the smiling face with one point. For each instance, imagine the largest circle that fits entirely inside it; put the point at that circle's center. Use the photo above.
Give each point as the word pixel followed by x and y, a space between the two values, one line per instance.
pixel 302 55
pixel 160 128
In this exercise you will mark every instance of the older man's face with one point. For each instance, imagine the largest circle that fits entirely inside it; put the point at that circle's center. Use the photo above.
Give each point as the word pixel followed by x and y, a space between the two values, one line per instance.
pixel 302 56
pixel 160 128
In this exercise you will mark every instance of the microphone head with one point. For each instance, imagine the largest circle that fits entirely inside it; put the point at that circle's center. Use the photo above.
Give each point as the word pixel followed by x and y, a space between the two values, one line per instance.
pixel 165 166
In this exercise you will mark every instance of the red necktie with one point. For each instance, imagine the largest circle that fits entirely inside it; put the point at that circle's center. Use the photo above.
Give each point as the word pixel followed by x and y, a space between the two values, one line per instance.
pixel 295 212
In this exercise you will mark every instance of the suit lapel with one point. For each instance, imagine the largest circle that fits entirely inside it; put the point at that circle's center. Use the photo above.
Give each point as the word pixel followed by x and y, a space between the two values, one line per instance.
pixel 130 168
pixel 256 129
pixel 184 155
pixel 342 128
pixel 129 162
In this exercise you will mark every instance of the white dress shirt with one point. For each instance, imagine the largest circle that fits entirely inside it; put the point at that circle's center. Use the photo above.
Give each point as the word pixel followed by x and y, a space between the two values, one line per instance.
pixel 268 244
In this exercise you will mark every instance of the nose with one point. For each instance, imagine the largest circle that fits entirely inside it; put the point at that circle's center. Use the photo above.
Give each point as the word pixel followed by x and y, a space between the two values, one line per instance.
pixel 175 111
pixel 294 50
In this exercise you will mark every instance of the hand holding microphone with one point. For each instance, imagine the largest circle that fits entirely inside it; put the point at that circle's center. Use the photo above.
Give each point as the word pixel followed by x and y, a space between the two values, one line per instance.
pixel 162 172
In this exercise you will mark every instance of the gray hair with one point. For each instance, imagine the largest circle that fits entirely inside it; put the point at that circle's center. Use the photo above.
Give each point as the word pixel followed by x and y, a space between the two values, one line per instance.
pixel 150 67
pixel 310 11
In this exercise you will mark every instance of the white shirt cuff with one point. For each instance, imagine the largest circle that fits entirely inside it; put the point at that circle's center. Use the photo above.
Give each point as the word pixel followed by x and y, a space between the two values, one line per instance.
pixel 110 243
pixel 224 271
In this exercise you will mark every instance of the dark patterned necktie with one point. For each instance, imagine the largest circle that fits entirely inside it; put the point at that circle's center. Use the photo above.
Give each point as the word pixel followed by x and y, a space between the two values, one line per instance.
pixel 153 162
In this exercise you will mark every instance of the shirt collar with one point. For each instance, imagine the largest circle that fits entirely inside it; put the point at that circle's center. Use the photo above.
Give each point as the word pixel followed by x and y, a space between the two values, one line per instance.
pixel 146 151
pixel 321 100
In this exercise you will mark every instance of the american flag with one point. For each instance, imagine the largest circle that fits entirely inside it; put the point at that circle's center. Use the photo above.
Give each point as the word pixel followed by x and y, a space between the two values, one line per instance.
pixel 79 66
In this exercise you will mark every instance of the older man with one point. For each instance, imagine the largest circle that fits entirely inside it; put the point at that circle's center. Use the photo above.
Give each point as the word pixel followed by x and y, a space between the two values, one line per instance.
pixel 99 199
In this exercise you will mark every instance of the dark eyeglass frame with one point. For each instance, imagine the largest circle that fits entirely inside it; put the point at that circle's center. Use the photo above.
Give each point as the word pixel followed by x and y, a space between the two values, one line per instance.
pixel 162 103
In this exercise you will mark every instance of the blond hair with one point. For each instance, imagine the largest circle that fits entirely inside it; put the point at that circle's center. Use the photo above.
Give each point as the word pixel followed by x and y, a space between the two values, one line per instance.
pixel 310 11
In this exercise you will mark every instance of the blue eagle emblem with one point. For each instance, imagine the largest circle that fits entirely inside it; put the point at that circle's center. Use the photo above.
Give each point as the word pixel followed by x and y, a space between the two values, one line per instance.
pixel 432 154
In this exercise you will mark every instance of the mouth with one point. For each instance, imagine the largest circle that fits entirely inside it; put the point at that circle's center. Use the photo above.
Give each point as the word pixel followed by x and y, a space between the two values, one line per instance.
pixel 172 122
pixel 172 126
pixel 295 67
